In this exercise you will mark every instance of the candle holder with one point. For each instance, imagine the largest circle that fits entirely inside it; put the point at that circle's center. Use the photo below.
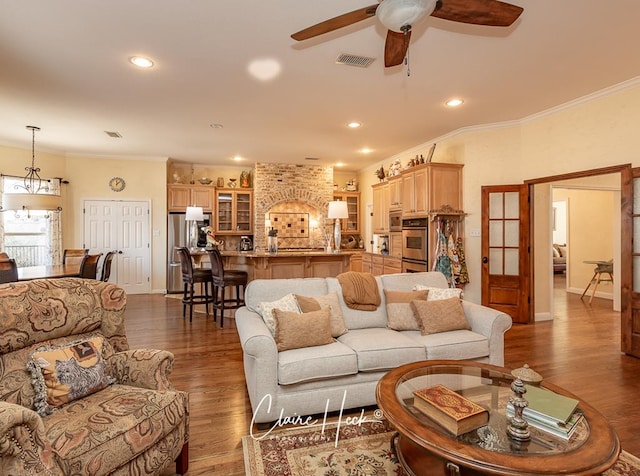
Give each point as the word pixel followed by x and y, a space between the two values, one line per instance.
pixel 518 428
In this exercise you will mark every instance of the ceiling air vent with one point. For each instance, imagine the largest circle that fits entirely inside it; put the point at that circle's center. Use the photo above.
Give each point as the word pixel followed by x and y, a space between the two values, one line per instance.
pixel 113 134
pixel 354 60
pixel 311 158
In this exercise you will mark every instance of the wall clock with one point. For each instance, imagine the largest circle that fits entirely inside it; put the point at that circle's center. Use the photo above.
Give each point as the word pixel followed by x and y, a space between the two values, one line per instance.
pixel 117 184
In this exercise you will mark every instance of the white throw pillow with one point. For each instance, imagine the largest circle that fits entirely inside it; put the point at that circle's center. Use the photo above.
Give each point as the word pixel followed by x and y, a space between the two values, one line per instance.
pixel 436 294
pixel 285 303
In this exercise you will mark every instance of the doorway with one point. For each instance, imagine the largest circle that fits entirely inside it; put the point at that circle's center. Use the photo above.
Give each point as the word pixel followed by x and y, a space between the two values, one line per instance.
pixel 121 226
pixel 577 223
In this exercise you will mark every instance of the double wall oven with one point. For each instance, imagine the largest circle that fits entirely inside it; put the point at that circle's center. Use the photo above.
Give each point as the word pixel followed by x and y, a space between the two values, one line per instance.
pixel 414 245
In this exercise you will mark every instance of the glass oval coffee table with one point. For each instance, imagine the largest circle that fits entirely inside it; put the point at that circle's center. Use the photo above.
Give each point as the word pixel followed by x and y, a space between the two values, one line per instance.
pixel 426 448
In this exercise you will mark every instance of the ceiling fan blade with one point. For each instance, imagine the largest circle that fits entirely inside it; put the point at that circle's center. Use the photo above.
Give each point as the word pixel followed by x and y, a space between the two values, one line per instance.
pixel 395 47
pixel 478 12
pixel 336 23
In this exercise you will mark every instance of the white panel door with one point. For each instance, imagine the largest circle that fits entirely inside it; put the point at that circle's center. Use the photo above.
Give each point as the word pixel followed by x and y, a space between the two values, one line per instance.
pixel 121 226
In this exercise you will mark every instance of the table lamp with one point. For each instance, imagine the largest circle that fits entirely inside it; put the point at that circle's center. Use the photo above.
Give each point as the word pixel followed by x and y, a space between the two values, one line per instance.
pixel 193 215
pixel 337 210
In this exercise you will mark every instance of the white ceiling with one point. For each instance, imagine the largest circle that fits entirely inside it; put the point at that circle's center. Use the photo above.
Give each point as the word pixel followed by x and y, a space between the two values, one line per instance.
pixel 64 67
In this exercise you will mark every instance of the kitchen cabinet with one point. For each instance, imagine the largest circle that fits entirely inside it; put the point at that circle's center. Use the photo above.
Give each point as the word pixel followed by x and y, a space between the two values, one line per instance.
pixel 377 264
pixel 395 244
pixel 395 193
pixel 414 192
pixel 392 265
pixel 367 263
pixel 430 186
pixel 350 225
pixel 381 207
pixel 234 212
pixel 179 197
pixel 355 264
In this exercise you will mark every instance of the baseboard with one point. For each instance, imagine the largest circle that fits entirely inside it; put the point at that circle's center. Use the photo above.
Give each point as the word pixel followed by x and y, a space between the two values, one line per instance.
pixel 599 294
pixel 543 316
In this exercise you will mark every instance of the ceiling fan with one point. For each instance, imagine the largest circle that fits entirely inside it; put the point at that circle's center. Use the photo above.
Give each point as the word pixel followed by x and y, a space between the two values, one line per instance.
pixel 399 15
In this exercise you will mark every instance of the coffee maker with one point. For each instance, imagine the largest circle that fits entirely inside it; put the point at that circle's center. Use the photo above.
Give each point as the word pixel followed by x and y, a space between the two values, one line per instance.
pixel 245 243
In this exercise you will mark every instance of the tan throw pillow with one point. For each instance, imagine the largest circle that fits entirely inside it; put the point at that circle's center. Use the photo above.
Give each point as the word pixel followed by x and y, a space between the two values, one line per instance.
pixel 440 316
pixel 294 331
pixel 65 373
pixel 436 294
pixel 400 315
pixel 286 303
pixel 309 304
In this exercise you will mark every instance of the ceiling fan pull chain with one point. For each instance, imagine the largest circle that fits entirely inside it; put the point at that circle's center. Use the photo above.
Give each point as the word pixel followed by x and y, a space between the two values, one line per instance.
pixel 406 63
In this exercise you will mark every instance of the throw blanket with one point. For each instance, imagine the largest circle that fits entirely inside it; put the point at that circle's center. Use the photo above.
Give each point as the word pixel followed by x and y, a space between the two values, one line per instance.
pixel 359 290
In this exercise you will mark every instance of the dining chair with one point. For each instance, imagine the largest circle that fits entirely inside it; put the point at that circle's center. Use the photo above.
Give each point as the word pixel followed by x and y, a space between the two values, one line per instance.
pixel 74 256
pixel 8 271
pixel 222 279
pixel 106 266
pixel 190 277
pixel 89 266
pixel 3 255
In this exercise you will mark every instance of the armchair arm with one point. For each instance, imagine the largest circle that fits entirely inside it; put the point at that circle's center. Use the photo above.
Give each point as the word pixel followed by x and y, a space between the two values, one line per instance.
pixel 24 448
pixel 144 368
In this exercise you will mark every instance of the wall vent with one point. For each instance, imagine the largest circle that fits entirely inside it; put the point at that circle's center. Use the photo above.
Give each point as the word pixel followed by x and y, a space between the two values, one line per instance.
pixel 113 134
pixel 311 158
pixel 354 60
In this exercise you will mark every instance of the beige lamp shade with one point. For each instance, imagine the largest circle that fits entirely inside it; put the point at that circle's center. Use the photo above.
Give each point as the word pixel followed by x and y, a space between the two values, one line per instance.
pixel 338 209
pixel 194 214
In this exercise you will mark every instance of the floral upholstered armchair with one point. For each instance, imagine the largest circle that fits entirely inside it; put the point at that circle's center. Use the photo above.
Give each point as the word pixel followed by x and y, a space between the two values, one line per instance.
pixel 74 400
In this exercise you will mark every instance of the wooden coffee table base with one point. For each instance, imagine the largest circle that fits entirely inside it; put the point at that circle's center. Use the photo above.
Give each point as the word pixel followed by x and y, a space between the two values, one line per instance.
pixel 416 461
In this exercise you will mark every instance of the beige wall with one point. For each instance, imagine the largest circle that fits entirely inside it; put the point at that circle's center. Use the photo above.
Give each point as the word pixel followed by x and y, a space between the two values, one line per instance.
pixel 594 132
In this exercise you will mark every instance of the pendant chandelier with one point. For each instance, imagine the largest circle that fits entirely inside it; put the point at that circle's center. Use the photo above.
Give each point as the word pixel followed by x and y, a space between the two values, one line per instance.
pixel 33 193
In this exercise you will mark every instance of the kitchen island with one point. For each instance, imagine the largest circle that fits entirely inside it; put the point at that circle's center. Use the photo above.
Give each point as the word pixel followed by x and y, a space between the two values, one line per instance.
pixel 302 263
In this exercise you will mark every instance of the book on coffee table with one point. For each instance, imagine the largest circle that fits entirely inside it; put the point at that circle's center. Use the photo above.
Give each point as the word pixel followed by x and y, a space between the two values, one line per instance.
pixel 548 406
pixel 450 409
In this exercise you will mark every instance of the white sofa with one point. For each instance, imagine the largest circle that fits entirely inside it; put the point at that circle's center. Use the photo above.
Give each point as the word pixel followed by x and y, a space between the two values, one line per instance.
pixel 344 374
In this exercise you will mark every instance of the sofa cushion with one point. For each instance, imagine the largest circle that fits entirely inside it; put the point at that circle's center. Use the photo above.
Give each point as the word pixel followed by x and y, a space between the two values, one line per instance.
pixel 440 316
pixel 455 345
pixel 400 315
pixel 265 290
pixel 407 281
pixel 295 330
pixel 316 363
pixel 382 349
pixel 308 304
pixel 65 373
pixel 107 429
pixel 436 294
pixel 285 303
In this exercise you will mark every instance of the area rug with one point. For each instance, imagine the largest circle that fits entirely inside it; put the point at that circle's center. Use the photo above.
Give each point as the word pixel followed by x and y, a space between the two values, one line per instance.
pixel 354 448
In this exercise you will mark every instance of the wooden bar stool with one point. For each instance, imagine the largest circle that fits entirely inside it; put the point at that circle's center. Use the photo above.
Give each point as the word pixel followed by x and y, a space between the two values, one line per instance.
pixel 190 277
pixel 603 267
pixel 225 278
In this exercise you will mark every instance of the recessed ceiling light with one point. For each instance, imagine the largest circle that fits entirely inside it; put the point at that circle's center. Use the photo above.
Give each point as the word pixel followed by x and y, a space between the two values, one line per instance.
pixel 237 158
pixel 264 69
pixel 141 61
pixel 339 164
pixel 216 125
pixel 454 102
pixel 354 125
pixel 366 150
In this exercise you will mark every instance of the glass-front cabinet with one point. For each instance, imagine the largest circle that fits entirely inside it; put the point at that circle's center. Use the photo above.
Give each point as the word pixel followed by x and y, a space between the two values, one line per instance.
pixel 350 225
pixel 234 211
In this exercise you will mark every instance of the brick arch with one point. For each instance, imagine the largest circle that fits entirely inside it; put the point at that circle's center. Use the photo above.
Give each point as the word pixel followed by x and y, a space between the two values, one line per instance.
pixel 311 198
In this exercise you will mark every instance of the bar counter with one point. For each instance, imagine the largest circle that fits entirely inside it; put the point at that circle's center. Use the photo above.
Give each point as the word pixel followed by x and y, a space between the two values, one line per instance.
pixel 303 263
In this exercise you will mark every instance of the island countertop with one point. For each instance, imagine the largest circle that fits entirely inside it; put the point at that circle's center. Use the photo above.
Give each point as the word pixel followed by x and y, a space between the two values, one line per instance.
pixel 289 263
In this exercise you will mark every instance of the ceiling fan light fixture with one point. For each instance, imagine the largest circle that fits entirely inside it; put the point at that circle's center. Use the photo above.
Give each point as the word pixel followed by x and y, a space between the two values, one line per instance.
pixel 396 14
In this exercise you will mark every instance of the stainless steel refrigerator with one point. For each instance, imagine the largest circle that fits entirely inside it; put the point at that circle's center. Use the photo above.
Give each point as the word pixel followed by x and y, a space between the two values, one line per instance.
pixel 177 235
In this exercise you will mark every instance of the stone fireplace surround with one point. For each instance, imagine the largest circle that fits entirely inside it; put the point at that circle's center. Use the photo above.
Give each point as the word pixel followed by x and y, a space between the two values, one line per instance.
pixel 286 188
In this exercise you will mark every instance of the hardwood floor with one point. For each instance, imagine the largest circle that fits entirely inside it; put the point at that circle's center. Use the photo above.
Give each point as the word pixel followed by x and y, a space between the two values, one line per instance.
pixel 579 350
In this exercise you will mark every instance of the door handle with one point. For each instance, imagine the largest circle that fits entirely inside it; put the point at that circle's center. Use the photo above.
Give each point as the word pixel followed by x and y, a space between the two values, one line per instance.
pixel 119 252
pixel 485 260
